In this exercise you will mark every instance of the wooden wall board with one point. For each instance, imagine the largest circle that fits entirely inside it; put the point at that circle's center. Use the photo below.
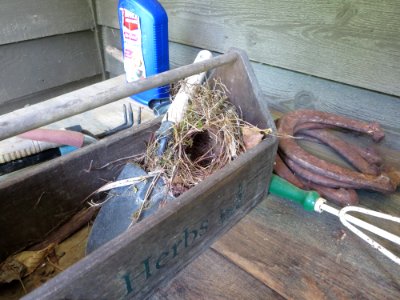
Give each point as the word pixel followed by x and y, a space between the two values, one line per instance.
pixel 110 38
pixel 40 96
pixel 286 90
pixel 304 255
pixel 36 65
pixel 355 42
pixel 180 55
pixel 211 276
pixel 24 20
pixel 107 13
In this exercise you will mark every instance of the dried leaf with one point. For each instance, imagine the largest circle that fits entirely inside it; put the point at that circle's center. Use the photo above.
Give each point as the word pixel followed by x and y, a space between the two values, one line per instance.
pixel 33 259
pixel 22 264
pixel 252 136
pixel 11 270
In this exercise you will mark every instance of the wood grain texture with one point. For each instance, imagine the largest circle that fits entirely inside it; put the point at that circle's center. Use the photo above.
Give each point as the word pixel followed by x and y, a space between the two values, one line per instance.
pixel 110 38
pixel 43 95
pixel 40 198
pixel 36 65
pixel 211 276
pixel 180 55
pixel 355 42
pixel 22 20
pixel 286 90
pixel 107 13
pixel 305 255
pixel 155 249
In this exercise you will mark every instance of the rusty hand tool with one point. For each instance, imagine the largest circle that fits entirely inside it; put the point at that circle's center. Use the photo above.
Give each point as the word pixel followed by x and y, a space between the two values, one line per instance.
pixel 315 177
pixel 287 128
pixel 339 196
pixel 343 148
pixel 369 154
pixel 128 122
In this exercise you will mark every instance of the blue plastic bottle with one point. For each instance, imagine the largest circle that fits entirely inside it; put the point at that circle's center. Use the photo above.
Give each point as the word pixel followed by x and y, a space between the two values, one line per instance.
pixel 144 37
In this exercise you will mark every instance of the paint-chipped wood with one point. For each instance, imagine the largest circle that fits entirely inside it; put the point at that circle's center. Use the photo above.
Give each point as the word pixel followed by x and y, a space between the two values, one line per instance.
pixel 22 20
pixel 355 42
pixel 36 65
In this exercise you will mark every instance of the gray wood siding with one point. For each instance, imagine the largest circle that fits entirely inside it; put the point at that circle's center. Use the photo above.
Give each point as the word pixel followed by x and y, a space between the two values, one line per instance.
pixel 45 45
pixel 354 42
pixel 287 90
pixel 40 96
pixel 24 20
pixel 40 64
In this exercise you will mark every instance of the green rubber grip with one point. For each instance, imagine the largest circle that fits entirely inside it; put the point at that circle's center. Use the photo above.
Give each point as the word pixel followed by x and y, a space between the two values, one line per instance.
pixel 284 189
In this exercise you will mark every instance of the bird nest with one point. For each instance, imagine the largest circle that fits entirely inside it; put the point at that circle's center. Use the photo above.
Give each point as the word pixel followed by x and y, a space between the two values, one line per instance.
pixel 210 135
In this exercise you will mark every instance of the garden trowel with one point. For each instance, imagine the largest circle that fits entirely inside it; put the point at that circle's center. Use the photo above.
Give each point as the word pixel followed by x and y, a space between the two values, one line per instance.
pixel 118 211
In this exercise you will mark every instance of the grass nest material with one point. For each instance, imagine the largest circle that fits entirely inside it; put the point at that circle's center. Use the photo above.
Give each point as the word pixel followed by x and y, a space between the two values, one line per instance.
pixel 209 137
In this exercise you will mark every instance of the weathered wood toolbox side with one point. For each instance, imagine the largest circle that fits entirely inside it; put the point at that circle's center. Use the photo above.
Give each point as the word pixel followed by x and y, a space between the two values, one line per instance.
pixel 155 249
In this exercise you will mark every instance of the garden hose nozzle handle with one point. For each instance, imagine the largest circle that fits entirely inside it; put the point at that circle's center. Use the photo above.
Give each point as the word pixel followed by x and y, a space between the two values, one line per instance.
pixel 282 188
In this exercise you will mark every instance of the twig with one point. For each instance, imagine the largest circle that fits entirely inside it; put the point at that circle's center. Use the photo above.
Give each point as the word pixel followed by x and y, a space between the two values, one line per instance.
pixel 139 116
pixel 209 137
pixel 145 200
pixel 54 265
pixel 120 183
pixel 38 201
pixel 117 160
pixel 22 284
pixel 90 167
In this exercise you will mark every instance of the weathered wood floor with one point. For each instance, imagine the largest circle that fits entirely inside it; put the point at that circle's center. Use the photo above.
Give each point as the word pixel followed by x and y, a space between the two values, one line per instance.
pixel 279 251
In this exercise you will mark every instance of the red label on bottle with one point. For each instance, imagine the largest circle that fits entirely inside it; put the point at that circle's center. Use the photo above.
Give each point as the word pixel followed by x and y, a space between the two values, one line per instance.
pixel 133 55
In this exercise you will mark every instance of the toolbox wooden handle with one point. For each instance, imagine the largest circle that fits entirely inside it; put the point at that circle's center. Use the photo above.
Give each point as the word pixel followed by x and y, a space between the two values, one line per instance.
pixel 96 95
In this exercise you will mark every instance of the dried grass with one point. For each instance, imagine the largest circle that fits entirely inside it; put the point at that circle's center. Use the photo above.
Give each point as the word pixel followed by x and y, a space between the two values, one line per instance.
pixel 206 140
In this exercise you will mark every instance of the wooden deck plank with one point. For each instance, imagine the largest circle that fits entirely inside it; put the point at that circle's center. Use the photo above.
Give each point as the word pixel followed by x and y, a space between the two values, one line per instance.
pixel 307 256
pixel 353 42
pixel 211 276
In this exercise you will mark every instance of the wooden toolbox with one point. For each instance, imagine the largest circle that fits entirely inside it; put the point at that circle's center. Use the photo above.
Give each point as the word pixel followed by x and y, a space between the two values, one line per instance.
pixel 155 249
